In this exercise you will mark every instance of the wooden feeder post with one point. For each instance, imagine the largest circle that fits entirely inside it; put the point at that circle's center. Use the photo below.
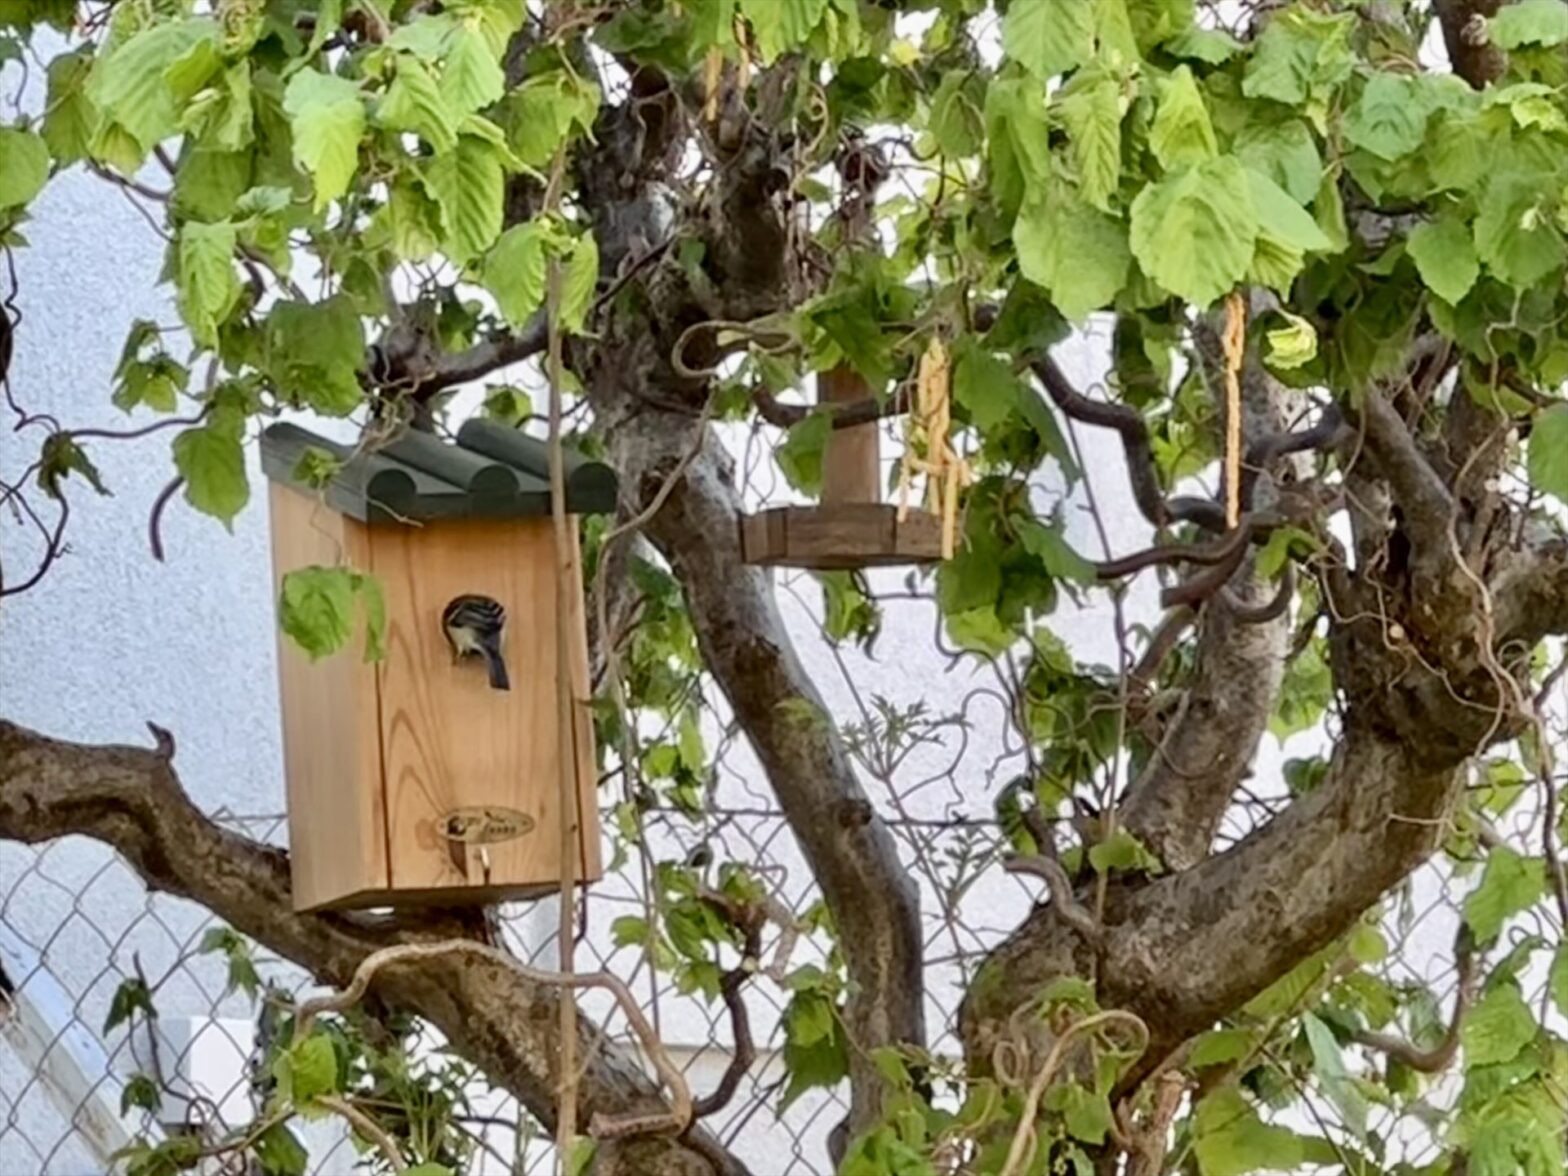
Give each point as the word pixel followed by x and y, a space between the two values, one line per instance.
pixel 411 779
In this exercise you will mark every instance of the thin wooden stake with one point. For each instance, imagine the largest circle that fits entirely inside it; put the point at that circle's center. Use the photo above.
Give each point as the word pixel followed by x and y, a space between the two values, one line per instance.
pixel 1235 340
pixel 566 742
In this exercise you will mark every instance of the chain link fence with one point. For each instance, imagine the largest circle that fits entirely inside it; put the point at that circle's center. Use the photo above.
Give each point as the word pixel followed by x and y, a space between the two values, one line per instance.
pixel 934 750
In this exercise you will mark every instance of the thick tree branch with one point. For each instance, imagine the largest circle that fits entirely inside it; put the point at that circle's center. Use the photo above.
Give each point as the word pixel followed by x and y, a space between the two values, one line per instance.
pixel 1176 804
pixel 1417 489
pixel 746 647
pixel 1187 948
pixel 131 799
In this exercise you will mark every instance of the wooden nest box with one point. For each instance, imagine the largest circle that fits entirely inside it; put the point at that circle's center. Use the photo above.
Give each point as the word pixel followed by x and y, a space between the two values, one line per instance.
pixel 851 527
pixel 411 779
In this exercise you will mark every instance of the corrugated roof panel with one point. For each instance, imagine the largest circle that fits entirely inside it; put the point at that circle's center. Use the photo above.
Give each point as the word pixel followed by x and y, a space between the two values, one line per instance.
pixel 491 471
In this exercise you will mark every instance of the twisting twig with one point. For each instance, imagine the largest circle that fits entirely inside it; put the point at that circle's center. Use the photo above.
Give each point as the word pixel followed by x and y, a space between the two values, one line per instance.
pixel 367 1127
pixel 1257 614
pixel 1430 1061
pixel 744 1051
pixel 1022 1150
pixel 1060 886
pixel 602 1126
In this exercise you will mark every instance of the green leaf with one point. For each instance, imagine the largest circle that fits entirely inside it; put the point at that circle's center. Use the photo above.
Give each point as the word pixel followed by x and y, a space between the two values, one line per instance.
pixel 800 453
pixel 1548 451
pixel 128 86
pixel 1509 884
pixel 327 117
pixel 1389 119
pixel 312 352
pixel 1328 212
pixel 540 114
pixel 1444 253
pixel 1077 253
pixel 1229 1139
pixel 1092 113
pixel 979 630
pixel 955 121
pixel 1122 851
pixel 1182 133
pixel 1497 1028
pixel 1286 152
pixel 472 78
pixel 468 184
pixel 70 118
pixel 1049 37
pixel 1055 554
pixel 61 457
pixel 131 997
pixel 24 166
pixel 1018 150
pixel 782 25
pixel 815 1045
pixel 307 1070
pixel 1557 979
pixel 1530 22
pixel 1300 54
pixel 985 386
pixel 280 1153
pixel 514 271
pixel 208 285
pixel 1194 232
pixel 1329 1066
pixel 1210 46
pixel 1086 1114
pixel 578 1162
pixel 1515 236
pixel 578 282
pixel 316 609
pixel 1366 944
pixel 414 103
pixel 212 462
pixel 142 1092
pixel 1280 217
pixel 1289 347
pixel 1305 693
pixel 629 931
pixel 1218 1046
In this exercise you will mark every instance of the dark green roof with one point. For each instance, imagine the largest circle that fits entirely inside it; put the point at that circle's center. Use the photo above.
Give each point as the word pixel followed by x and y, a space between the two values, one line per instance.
pixel 490 472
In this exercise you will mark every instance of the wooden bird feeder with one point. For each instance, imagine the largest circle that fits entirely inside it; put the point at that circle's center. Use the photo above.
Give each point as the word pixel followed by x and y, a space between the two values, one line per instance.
pixel 411 780
pixel 851 527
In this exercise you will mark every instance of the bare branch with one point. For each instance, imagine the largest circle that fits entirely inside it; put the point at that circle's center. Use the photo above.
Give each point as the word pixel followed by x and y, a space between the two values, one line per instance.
pixel 1060 887
pixel 603 1127
pixel 1440 1056
pixel 131 799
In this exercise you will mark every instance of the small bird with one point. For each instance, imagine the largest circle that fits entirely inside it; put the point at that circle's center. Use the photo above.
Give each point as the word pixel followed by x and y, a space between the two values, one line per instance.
pixel 473 624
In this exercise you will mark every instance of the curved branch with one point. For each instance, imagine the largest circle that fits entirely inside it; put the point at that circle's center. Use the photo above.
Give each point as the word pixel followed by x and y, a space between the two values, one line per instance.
pixel 1440 1056
pixel 131 799
pixel 1185 948
pixel 745 645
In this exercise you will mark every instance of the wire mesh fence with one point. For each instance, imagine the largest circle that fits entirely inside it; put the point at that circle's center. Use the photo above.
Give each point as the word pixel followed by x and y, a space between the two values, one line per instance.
pixel 934 751
pixel 75 925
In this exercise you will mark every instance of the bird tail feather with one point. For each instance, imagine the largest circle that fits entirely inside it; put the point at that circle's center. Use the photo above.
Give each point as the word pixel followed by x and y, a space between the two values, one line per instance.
pixel 497 666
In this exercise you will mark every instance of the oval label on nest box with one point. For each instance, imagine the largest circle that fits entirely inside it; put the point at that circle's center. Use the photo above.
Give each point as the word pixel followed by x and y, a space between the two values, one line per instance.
pixel 485 824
